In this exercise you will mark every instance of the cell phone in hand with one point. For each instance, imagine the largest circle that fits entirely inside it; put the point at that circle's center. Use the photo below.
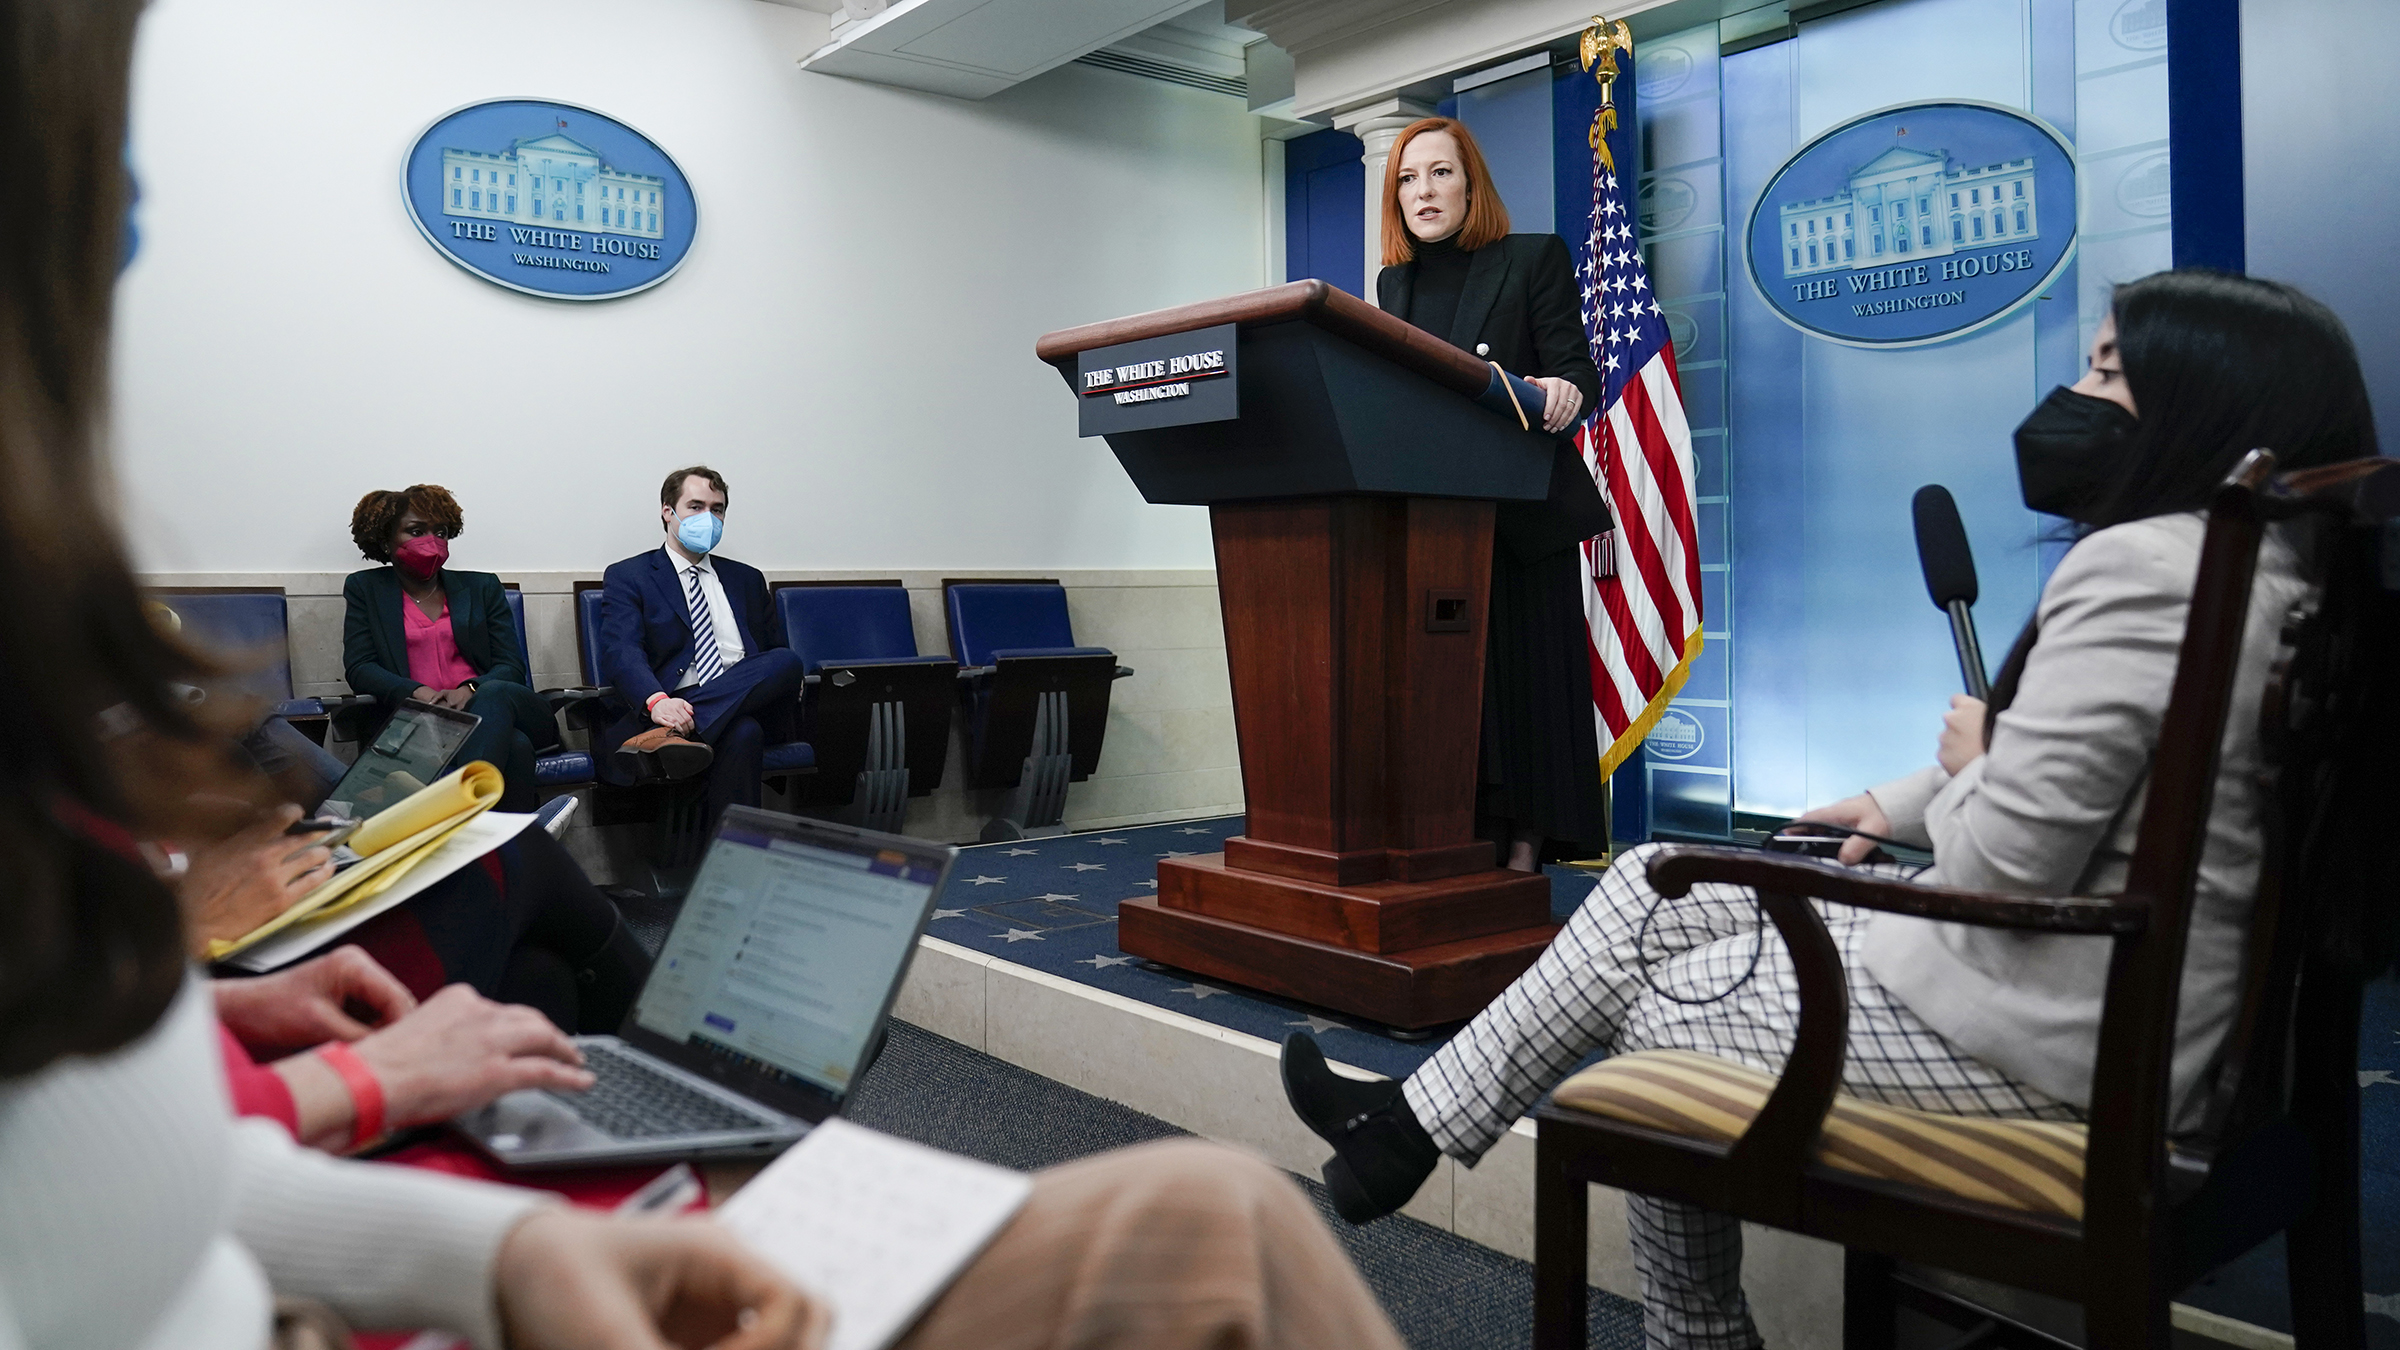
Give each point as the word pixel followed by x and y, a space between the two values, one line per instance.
pixel 1807 845
pixel 334 832
pixel 318 824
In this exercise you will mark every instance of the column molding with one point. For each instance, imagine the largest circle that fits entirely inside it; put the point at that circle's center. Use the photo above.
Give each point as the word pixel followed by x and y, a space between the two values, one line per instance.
pixel 1377 125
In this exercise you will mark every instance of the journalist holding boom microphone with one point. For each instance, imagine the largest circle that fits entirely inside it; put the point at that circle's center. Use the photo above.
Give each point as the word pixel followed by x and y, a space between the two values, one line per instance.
pixel 2191 370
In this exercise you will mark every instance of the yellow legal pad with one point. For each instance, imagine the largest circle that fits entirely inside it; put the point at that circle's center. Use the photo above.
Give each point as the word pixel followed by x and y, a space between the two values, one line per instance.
pixel 388 846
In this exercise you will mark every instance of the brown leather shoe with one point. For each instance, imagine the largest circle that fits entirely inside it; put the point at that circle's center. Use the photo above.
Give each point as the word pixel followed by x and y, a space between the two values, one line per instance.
pixel 663 754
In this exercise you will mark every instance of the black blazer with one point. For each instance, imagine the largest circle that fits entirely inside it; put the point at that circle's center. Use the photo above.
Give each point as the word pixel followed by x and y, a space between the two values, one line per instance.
pixel 375 635
pixel 1520 304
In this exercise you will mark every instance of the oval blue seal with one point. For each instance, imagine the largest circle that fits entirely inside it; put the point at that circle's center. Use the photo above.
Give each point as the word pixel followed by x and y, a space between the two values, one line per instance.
pixel 550 199
pixel 1915 224
pixel 1677 735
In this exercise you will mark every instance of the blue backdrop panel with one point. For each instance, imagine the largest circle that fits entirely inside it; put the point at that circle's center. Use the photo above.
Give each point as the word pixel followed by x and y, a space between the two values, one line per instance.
pixel 1511 121
pixel 1764 468
pixel 1324 215
pixel 1844 668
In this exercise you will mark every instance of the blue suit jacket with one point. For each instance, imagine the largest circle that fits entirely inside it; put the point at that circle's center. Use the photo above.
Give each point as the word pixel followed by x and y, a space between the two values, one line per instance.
pixel 646 632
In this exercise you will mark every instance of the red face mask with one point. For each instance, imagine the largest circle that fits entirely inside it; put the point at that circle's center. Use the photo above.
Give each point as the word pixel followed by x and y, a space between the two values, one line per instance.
pixel 422 556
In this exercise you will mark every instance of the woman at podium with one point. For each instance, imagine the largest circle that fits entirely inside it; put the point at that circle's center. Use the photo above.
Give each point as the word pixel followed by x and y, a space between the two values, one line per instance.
pixel 1451 267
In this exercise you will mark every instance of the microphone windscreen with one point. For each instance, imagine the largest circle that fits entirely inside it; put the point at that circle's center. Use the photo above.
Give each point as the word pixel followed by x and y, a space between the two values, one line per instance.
pixel 1942 547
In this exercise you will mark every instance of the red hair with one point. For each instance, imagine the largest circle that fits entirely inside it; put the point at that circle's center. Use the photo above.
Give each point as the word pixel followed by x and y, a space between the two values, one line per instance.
pixel 1487 216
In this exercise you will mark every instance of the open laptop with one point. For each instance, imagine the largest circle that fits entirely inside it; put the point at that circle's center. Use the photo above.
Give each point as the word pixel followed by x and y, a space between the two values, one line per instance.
pixel 414 748
pixel 759 1011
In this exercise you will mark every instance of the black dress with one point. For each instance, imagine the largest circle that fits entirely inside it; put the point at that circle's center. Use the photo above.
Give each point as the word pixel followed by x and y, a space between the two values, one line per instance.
pixel 1514 301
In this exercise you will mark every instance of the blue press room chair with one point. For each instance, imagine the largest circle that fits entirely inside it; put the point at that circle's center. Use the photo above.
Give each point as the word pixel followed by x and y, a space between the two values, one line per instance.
pixel 877 713
pixel 595 704
pixel 250 628
pixel 560 770
pixel 1037 704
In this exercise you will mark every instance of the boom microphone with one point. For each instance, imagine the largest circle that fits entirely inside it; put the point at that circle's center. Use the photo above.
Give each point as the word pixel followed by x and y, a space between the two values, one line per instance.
pixel 1949 566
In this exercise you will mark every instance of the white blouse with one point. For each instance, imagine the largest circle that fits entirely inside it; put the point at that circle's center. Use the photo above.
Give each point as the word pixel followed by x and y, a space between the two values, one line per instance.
pixel 136 1211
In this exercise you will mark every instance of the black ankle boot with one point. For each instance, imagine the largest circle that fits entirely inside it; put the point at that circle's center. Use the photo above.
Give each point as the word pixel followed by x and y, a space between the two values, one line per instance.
pixel 1381 1155
pixel 1325 1100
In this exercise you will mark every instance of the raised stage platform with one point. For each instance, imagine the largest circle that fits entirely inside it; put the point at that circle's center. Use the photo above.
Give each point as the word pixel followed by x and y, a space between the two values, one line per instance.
pixel 1021 962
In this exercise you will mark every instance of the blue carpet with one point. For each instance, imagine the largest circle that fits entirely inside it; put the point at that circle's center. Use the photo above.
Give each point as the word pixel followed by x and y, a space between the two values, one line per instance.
pixel 1052 904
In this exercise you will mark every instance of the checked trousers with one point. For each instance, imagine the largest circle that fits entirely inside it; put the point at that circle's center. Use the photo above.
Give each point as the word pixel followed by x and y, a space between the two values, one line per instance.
pixel 1704 973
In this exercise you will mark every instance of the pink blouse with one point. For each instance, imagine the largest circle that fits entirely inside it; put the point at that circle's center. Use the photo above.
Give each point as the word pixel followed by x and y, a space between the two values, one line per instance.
pixel 433 659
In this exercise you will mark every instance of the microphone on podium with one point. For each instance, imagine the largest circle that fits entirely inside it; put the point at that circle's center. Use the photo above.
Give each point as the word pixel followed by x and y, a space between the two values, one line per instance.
pixel 1950 578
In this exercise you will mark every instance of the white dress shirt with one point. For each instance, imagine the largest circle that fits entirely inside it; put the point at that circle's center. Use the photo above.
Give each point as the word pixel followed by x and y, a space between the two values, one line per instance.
pixel 720 612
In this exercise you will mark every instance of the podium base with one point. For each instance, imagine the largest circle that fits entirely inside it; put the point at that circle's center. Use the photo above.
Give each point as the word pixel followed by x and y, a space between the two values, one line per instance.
pixel 1419 987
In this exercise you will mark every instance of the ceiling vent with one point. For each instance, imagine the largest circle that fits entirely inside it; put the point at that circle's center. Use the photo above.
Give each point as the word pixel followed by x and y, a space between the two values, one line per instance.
pixel 1110 58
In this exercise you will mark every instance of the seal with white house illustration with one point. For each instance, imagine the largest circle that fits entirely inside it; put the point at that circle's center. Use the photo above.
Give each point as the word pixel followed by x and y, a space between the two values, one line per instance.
pixel 1915 224
pixel 550 199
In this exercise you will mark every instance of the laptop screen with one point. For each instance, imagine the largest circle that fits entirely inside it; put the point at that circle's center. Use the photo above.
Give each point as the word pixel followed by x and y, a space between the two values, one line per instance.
pixel 787 952
pixel 414 748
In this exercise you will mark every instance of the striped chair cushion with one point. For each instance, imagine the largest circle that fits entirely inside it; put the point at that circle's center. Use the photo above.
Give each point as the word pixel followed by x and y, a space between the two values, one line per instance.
pixel 2033 1165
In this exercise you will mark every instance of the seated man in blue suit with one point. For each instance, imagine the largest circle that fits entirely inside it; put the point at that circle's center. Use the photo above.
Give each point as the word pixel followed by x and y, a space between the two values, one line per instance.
pixel 696 649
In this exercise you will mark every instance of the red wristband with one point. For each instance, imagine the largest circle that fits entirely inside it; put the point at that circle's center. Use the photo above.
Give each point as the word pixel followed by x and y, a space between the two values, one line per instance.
pixel 652 701
pixel 366 1093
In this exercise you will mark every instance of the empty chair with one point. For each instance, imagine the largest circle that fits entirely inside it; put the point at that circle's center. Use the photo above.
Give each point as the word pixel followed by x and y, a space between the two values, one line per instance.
pixel 877 713
pixel 251 629
pixel 1037 704
pixel 562 769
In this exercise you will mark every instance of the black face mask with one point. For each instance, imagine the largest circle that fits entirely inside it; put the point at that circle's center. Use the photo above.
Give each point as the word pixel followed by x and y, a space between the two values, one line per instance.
pixel 2070 450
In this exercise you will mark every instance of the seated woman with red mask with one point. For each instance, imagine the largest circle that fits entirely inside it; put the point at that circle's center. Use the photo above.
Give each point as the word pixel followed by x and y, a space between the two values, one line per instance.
pixel 416 628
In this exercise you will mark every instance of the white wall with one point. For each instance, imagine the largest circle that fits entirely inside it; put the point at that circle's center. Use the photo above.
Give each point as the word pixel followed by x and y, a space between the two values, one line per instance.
pixel 850 341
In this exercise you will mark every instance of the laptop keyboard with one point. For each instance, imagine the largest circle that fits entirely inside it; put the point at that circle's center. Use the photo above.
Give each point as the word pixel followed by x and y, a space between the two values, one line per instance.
pixel 630 1100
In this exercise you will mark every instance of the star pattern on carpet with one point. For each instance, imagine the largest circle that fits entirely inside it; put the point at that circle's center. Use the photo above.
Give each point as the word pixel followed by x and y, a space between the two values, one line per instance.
pixel 1179 853
pixel 1103 962
pixel 1019 852
pixel 948 913
pixel 1020 935
pixel 1106 840
pixel 1191 829
pixel 1087 867
pixel 2384 1305
pixel 1198 990
pixel 1058 897
pixel 1152 883
pixel 1318 1026
pixel 987 881
pixel 2370 1077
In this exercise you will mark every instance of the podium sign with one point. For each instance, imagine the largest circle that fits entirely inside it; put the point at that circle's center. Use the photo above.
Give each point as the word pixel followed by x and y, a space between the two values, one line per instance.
pixel 1171 381
pixel 1350 487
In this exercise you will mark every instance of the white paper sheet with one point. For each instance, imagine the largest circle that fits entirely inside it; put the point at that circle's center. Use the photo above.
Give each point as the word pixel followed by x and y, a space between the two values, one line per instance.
pixel 474 839
pixel 876 1226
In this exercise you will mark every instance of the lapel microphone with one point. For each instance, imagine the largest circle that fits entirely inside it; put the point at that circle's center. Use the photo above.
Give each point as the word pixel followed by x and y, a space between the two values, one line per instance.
pixel 1949 566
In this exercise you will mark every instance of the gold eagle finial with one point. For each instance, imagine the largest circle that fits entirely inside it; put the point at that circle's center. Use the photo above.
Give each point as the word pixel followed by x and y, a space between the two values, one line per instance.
pixel 1601 42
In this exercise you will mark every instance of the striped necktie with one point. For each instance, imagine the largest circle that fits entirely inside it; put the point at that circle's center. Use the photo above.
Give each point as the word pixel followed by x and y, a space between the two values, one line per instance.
pixel 705 660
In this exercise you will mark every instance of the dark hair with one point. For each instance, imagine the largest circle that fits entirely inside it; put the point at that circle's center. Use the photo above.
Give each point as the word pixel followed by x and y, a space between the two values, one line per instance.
pixel 2219 365
pixel 671 491
pixel 91 946
pixel 379 512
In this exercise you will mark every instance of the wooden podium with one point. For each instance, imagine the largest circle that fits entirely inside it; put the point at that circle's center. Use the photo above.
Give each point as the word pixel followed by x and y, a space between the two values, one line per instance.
pixel 1351 504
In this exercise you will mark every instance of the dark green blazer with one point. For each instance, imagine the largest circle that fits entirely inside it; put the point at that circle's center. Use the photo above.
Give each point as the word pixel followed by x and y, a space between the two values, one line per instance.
pixel 375 636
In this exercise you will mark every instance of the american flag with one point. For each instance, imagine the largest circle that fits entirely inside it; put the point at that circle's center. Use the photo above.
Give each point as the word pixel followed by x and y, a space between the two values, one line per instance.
pixel 1641 581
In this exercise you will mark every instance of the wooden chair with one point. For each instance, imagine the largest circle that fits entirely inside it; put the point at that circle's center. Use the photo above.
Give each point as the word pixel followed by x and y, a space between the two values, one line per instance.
pixel 2118 1216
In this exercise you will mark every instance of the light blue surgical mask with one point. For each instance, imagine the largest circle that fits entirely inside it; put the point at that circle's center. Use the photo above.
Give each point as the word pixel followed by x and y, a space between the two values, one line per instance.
pixel 700 533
